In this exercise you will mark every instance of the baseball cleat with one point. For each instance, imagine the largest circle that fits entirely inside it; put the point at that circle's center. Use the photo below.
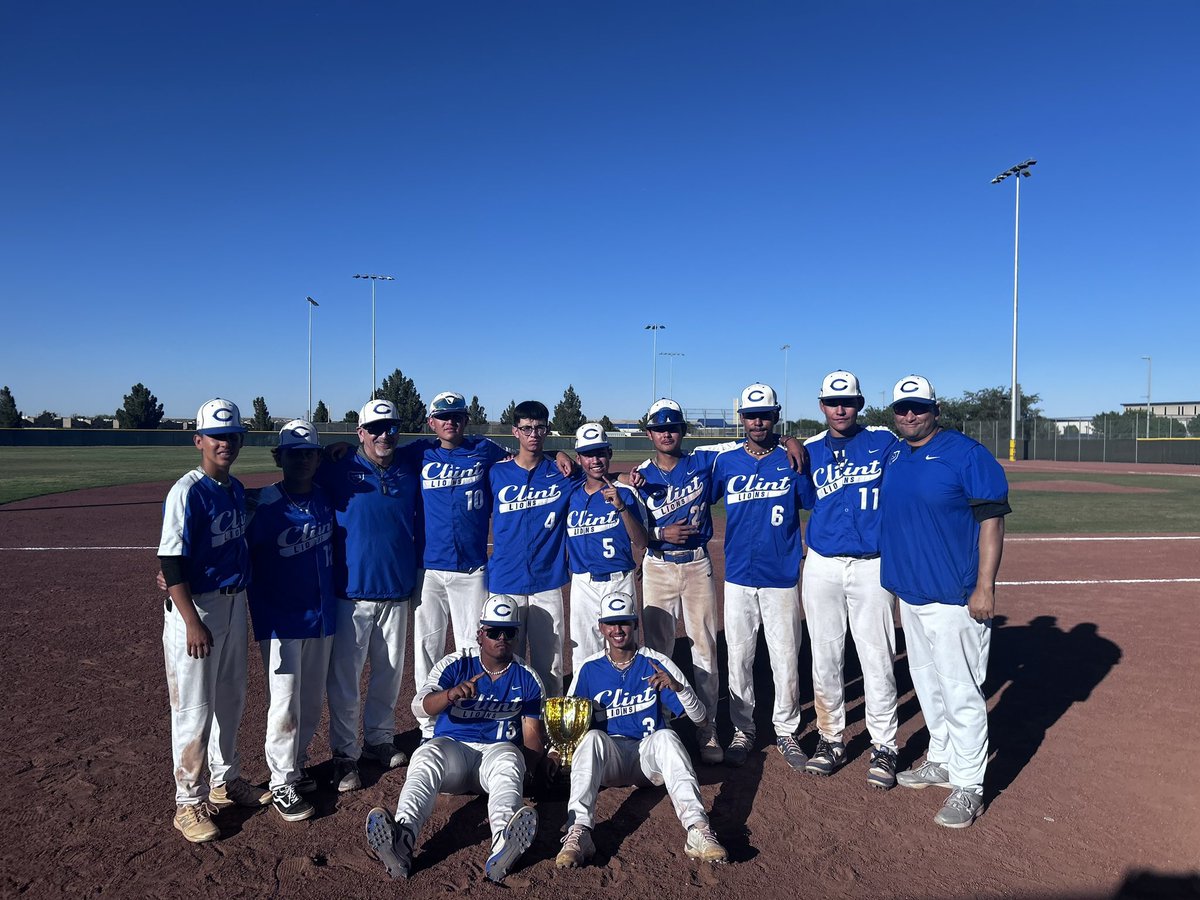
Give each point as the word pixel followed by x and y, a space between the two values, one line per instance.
pixel 827 757
pixel 238 791
pixel 702 844
pixel 289 804
pixel 928 774
pixel 345 774
pixel 385 754
pixel 509 844
pixel 882 770
pixel 392 845
pixel 790 748
pixel 578 848
pixel 961 808
pixel 194 821
pixel 710 748
pixel 739 748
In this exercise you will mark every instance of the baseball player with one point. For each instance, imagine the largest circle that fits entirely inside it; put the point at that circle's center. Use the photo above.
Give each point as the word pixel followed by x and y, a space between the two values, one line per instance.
pixel 840 581
pixel 633 691
pixel 374 496
pixel 487 704
pixel 206 566
pixel 763 498
pixel 294 610
pixel 606 535
pixel 942 536
pixel 529 510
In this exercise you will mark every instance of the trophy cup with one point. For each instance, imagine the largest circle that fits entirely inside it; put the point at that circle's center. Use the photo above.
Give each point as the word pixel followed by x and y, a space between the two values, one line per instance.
pixel 567 720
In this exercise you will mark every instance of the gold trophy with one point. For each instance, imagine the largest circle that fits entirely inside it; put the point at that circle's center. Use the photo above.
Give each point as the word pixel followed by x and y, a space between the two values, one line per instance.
pixel 567 721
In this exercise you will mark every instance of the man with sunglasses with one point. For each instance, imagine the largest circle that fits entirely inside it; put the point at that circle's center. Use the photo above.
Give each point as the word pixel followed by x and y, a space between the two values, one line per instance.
pixel 606 537
pixel 942 536
pixel 487 705
pixel 634 692
pixel 374 496
pixel 529 496
pixel 840 581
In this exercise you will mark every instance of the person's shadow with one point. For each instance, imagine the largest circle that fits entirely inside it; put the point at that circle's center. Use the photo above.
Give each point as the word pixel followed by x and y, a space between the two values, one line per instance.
pixel 1039 672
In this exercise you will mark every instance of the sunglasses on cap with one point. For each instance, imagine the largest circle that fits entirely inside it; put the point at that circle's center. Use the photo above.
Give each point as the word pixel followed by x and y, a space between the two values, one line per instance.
pixel 378 429
pixel 494 634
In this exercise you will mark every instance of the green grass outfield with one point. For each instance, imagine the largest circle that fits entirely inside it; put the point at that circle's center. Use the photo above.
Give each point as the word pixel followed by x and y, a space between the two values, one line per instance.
pixel 33 471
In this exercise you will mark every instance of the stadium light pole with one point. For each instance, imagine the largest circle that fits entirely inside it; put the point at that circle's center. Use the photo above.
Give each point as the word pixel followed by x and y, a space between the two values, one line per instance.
pixel 785 348
pixel 671 354
pixel 656 328
pixel 1020 170
pixel 1149 372
pixel 373 279
pixel 311 304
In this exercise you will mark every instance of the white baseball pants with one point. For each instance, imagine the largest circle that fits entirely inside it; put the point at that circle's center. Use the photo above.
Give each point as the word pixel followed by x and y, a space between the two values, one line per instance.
pixel 668 589
pixel 837 590
pixel 444 765
pixel 207 695
pixel 542 632
pixel 777 612
pixel 448 600
pixel 658 759
pixel 948 657
pixel 366 629
pixel 296 669
pixel 586 595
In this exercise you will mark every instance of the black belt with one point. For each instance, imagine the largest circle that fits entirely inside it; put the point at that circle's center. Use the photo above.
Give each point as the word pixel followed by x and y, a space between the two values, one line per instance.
pixel 608 576
pixel 679 556
pixel 230 591
pixel 858 556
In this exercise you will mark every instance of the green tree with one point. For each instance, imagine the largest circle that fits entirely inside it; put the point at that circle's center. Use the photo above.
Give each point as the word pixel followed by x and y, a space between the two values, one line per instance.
pixel 10 416
pixel 879 416
pixel 1114 425
pixel 321 413
pixel 262 416
pixel 476 415
pixel 607 424
pixel 47 419
pixel 141 409
pixel 351 416
pixel 568 413
pixel 986 405
pixel 509 416
pixel 410 408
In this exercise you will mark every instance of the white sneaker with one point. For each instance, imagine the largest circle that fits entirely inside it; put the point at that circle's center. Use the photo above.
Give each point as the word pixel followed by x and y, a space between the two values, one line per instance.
pixel 345 774
pixel 961 808
pixel 702 844
pixel 928 774
pixel 385 754
pixel 509 844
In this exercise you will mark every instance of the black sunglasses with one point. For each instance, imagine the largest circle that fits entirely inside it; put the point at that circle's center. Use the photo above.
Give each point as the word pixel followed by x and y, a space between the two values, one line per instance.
pixel 904 407
pixel 495 634
pixel 376 429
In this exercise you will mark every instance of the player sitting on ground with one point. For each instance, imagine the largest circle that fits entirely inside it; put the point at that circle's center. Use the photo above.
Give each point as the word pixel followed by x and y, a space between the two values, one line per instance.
pixel 633 743
pixel 488 706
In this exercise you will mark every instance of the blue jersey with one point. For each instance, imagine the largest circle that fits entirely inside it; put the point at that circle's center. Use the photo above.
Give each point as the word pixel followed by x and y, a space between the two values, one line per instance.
pixel 457 501
pixel 847 474
pixel 763 499
pixel 625 703
pixel 206 523
pixel 291 549
pixel 597 541
pixel 374 551
pixel 529 511
pixel 679 497
pixel 494 714
pixel 929 538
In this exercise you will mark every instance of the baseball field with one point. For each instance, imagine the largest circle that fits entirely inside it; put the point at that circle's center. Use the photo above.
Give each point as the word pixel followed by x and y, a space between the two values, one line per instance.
pixel 1089 790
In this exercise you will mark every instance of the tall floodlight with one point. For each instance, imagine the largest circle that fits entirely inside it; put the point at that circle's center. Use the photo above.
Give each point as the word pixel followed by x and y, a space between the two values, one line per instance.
pixel 785 348
pixel 373 279
pixel 656 328
pixel 1020 170
pixel 671 354
pixel 311 304
pixel 1149 372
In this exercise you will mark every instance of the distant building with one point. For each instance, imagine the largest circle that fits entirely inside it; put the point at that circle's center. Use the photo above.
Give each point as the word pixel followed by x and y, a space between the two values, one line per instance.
pixel 1179 410
pixel 1082 424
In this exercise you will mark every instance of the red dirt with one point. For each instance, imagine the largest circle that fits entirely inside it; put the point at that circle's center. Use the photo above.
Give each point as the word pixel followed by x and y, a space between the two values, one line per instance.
pixel 1093 724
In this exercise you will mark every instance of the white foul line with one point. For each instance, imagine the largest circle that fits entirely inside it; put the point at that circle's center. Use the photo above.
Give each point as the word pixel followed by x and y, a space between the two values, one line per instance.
pixel 78 548
pixel 1106 581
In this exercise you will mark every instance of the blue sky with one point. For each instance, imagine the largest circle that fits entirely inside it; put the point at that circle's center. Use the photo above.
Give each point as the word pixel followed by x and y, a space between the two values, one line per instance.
pixel 544 179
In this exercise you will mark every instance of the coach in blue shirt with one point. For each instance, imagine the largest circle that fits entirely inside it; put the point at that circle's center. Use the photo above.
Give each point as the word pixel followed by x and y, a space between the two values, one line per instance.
pixel 944 502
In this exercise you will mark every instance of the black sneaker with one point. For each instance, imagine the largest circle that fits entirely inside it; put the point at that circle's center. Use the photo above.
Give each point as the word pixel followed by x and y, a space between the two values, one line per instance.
pixel 289 804
pixel 882 771
pixel 790 748
pixel 827 757
pixel 305 784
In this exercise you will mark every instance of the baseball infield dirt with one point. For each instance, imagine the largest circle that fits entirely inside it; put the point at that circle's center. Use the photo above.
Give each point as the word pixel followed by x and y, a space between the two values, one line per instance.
pixel 1089 790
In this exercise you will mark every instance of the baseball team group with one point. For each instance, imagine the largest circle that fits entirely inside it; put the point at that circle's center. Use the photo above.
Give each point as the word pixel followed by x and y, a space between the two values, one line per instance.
pixel 353 546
